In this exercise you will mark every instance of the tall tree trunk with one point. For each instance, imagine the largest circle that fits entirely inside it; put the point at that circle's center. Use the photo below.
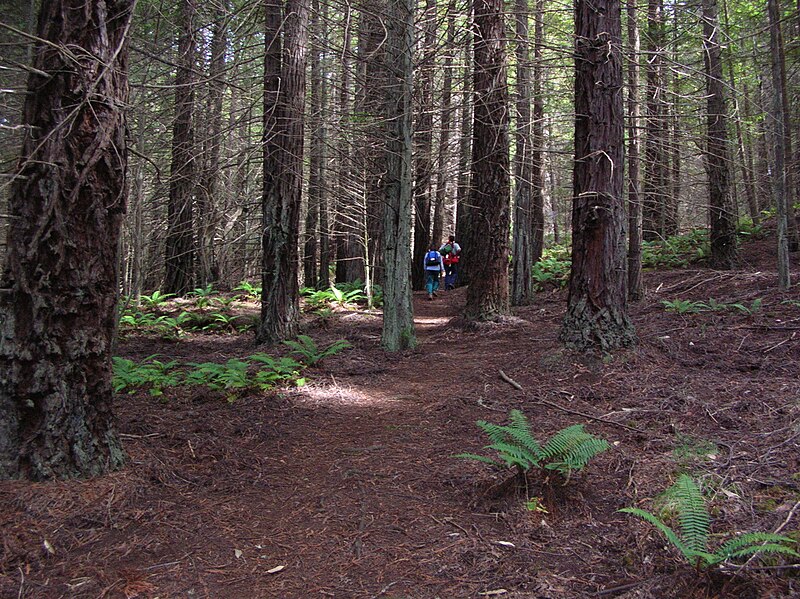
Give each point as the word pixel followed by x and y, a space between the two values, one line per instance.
pixel 344 220
pixel 444 172
pixel 597 305
pixel 654 192
pixel 487 297
pixel 208 268
pixel 398 312
pixel 538 141
pixel 779 178
pixel 635 283
pixel 59 290
pixel 317 158
pixel 284 87
pixel 423 141
pixel 179 266
pixel 521 279
pixel 463 220
pixel 721 215
pixel 672 137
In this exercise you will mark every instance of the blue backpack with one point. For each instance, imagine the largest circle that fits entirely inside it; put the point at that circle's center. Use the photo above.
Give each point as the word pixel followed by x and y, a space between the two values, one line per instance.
pixel 432 259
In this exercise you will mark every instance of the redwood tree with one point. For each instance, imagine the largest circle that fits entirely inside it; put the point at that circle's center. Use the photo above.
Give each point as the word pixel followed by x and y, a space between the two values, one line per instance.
pixel 597 304
pixel 722 215
pixel 398 312
pixel 180 251
pixel 284 101
pixel 58 299
pixel 490 191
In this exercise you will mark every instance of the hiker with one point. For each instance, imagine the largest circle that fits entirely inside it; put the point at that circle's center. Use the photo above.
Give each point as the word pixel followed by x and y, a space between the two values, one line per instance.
pixel 451 252
pixel 434 266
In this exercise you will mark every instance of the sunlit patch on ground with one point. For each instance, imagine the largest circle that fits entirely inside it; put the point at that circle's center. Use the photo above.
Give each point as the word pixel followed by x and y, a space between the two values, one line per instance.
pixel 431 322
pixel 330 395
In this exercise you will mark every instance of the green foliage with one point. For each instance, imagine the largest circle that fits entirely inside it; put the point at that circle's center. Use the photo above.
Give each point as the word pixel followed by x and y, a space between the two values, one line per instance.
pixel 695 526
pixel 275 371
pixel 747 228
pixel 308 351
pixel 690 449
pixel 694 307
pixel 203 295
pixel 676 251
pixel 681 306
pixel 231 376
pixel 252 292
pixel 569 450
pixel 258 371
pixel 155 300
pixel 342 295
pixel 553 267
pixel 225 303
pixel 150 373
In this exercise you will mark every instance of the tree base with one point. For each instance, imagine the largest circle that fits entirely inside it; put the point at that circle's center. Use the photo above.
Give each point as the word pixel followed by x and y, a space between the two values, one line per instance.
pixel 603 329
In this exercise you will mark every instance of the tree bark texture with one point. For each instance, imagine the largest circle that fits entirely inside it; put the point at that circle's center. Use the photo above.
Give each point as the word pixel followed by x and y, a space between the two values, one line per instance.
pixel 635 283
pixel 597 304
pixel 423 141
pixel 208 270
pixel 522 261
pixel 179 264
pixel 444 172
pixel 58 301
pixel 722 218
pixel 487 297
pixel 317 158
pixel 398 313
pixel 463 221
pixel 779 178
pixel 655 165
pixel 284 87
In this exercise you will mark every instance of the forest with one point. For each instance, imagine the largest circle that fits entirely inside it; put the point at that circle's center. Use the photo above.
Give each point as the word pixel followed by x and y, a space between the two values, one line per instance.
pixel 230 365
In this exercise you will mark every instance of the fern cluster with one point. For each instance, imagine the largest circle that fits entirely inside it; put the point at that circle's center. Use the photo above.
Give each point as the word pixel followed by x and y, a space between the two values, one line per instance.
pixel 309 353
pixel 259 371
pixel 570 449
pixel 695 526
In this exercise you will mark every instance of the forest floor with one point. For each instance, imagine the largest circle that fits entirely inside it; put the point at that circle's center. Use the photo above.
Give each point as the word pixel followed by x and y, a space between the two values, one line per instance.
pixel 346 487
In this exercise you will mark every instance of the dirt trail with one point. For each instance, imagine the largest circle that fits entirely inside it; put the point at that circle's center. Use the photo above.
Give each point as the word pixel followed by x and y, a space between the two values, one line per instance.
pixel 346 488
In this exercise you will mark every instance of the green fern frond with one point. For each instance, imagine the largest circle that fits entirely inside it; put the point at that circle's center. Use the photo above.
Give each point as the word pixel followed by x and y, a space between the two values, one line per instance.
pixel 571 449
pixel 514 455
pixel 692 513
pixel 560 443
pixel 766 548
pixel 496 432
pixel 577 456
pixel 752 542
pixel 668 533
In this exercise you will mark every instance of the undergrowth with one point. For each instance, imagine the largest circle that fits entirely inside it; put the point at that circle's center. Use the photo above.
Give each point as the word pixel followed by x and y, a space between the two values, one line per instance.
pixel 568 451
pixel 692 538
pixel 256 372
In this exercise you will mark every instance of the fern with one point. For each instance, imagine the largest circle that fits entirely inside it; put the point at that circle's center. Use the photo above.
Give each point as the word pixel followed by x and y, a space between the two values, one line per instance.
pixel 309 353
pixel 695 525
pixel 570 449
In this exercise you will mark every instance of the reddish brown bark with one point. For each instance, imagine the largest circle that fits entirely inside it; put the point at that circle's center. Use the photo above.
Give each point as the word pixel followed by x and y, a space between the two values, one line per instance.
pixel 58 300
pixel 490 191
pixel 597 304
pixel 284 87
pixel 722 217
pixel 179 263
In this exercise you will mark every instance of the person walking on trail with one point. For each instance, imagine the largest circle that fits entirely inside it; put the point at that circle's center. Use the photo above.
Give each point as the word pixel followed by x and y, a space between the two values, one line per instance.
pixel 451 253
pixel 434 266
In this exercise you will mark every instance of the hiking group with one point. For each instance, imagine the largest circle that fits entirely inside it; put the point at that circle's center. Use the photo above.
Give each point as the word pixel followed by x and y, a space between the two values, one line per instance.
pixel 442 260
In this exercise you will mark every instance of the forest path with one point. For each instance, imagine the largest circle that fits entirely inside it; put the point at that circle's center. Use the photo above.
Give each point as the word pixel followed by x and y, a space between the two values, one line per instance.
pixel 346 487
